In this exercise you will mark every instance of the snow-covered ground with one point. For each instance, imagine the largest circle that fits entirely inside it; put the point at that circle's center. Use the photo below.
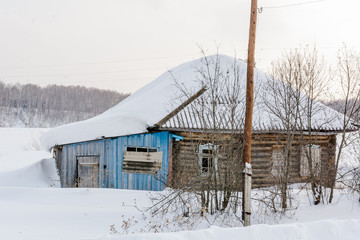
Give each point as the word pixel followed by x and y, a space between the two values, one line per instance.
pixel 33 207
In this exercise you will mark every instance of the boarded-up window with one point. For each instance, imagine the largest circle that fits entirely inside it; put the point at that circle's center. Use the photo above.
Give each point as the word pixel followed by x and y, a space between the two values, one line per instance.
pixel 142 160
pixel 278 160
pixel 310 154
pixel 207 159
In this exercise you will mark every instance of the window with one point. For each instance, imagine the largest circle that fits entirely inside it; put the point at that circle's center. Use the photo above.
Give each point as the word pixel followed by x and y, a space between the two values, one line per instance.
pixel 142 160
pixel 278 160
pixel 312 153
pixel 207 159
pixel 141 149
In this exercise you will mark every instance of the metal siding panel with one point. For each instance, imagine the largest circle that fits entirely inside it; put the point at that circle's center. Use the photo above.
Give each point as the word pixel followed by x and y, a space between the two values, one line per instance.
pixel 163 144
pixel 66 167
pixel 103 174
pixel 120 152
pixel 115 163
pixel 125 181
pixel 83 149
pixel 144 181
pixel 73 165
pixel 135 178
pixel 68 164
pixel 110 162
pixel 63 167
pixel 147 140
pixel 147 182
pixel 152 183
pixel 141 182
pixel 68 171
pixel 130 181
pixel 101 147
pixel 112 165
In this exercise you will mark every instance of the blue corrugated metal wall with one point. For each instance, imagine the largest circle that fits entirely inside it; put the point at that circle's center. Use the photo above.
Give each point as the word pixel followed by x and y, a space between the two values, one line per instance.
pixel 111 153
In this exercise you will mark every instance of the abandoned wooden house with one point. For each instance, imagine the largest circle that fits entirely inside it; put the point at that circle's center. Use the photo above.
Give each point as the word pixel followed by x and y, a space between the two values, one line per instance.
pixel 159 136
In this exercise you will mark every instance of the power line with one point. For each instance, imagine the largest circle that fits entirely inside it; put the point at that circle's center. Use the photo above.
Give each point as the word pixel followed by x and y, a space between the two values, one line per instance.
pixel 106 62
pixel 68 75
pixel 96 62
pixel 150 59
pixel 76 74
pixel 83 81
pixel 294 4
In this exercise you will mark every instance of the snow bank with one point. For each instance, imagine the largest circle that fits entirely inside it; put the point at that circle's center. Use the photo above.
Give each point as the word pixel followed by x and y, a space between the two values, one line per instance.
pixel 70 213
pixel 20 147
pixel 24 163
pixel 59 213
pixel 327 229
pixel 42 173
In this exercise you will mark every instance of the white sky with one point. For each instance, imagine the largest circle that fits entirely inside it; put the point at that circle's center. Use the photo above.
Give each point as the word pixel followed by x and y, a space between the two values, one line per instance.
pixel 125 44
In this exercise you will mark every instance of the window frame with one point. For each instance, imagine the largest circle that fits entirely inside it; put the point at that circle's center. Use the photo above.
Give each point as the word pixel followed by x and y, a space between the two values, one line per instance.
pixel 316 160
pixel 212 156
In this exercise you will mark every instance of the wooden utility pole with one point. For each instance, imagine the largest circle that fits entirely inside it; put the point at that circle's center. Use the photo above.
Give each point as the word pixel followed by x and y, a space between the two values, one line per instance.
pixel 246 202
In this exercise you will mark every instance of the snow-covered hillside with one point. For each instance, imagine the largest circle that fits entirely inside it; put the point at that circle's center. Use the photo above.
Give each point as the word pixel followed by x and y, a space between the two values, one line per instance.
pixel 33 207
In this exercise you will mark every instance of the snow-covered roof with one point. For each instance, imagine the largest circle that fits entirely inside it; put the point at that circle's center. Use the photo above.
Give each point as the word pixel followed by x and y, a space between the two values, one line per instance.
pixel 152 103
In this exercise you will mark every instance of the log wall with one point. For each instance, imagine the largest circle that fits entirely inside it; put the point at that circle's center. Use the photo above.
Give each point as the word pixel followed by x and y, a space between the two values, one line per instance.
pixel 186 167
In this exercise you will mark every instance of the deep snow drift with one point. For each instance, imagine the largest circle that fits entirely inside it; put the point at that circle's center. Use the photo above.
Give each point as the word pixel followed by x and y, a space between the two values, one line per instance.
pixel 24 162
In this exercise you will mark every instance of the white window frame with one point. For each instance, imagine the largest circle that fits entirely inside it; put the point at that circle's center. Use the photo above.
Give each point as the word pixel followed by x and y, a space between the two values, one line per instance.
pixel 213 156
pixel 316 160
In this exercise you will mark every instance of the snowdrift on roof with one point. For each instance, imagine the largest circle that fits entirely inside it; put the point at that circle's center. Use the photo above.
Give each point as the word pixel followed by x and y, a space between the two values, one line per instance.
pixel 133 115
pixel 153 102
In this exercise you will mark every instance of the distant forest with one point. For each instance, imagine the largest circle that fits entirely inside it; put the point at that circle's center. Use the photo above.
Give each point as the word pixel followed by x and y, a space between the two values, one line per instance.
pixel 33 106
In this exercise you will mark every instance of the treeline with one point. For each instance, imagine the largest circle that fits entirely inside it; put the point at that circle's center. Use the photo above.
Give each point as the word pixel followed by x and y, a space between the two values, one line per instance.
pixel 33 106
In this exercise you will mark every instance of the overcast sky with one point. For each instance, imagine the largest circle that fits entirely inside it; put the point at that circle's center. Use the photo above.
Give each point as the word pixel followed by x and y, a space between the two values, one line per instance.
pixel 125 44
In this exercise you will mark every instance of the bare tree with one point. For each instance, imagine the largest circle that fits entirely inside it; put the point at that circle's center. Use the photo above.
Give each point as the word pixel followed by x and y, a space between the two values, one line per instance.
pixel 292 101
pixel 348 73
pixel 315 77
pixel 282 100
pixel 207 163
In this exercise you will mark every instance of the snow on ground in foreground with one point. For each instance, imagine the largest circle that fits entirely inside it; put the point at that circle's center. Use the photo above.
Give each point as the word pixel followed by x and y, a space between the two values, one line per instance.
pixel 54 213
pixel 326 229
pixel 32 208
